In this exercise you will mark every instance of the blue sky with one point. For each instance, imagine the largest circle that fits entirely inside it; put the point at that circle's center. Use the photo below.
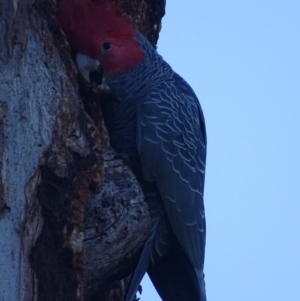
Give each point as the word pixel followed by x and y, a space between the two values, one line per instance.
pixel 242 58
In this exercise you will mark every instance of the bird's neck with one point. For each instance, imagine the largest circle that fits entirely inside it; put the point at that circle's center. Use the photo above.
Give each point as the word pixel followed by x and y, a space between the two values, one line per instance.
pixel 136 84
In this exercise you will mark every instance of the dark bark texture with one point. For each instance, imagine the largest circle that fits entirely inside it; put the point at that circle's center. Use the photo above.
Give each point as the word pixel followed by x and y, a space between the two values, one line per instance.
pixel 72 215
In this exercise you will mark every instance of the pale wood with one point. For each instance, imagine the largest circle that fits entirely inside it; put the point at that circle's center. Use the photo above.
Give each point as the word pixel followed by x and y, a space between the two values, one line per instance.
pixel 72 216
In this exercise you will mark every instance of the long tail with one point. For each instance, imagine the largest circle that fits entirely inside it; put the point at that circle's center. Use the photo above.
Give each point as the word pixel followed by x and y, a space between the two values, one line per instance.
pixel 140 270
pixel 175 279
pixel 147 250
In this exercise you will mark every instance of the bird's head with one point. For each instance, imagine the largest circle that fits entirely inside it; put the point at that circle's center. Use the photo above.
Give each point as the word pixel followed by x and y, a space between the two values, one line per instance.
pixel 101 35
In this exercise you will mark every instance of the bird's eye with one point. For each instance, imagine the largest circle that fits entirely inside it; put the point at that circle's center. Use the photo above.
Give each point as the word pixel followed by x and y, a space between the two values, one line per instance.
pixel 106 46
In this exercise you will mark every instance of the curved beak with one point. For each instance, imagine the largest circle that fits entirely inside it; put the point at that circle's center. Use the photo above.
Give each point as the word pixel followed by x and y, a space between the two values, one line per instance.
pixel 89 68
pixel 92 71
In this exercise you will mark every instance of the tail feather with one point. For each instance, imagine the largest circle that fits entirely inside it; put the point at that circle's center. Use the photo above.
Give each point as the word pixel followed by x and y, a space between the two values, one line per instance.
pixel 140 269
pixel 175 279
pixel 170 270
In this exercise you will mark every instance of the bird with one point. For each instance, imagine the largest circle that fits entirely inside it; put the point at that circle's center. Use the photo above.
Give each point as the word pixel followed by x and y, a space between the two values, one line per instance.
pixel 157 122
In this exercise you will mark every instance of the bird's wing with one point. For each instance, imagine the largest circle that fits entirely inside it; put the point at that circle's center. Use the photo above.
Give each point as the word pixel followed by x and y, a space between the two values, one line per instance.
pixel 171 140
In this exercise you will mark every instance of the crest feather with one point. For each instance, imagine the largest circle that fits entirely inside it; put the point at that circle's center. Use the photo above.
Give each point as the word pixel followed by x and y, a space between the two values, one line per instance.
pixel 84 21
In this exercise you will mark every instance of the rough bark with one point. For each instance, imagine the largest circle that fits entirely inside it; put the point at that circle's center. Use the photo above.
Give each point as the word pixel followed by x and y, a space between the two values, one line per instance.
pixel 72 216
pixel 112 219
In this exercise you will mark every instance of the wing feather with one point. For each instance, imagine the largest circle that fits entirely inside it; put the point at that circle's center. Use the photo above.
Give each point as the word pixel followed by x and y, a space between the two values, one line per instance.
pixel 171 140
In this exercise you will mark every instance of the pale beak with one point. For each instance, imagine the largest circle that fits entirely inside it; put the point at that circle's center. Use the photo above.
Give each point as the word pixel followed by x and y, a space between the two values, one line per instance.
pixel 86 65
pixel 92 71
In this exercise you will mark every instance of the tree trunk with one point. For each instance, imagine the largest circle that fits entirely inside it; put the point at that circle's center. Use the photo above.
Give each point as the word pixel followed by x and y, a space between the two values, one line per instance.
pixel 72 215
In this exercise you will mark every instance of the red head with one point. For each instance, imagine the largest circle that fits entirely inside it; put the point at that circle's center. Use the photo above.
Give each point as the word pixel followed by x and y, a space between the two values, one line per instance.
pixel 102 33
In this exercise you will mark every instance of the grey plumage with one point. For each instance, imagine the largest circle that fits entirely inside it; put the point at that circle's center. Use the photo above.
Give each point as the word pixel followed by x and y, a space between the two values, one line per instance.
pixel 156 120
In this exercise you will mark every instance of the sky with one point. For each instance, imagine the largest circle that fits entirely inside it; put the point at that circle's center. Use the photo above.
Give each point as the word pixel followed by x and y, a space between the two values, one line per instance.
pixel 242 58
